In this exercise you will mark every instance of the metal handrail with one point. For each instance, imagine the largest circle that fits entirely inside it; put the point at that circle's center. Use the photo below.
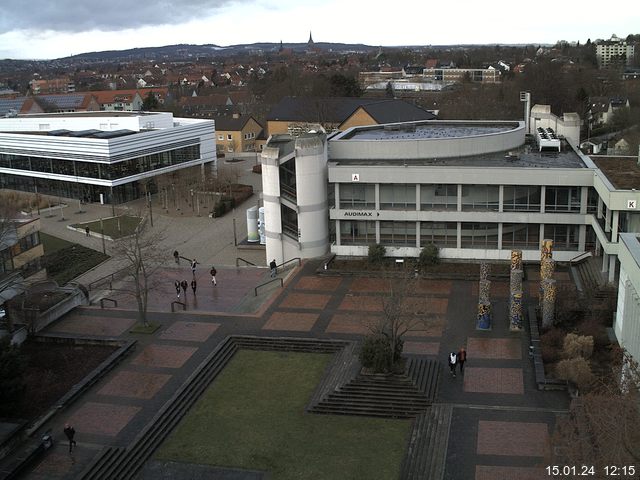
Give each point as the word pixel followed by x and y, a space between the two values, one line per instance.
pixel 102 300
pixel 580 257
pixel 255 290
pixel 111 278
pixel 245 261
pixel 296 259
pixel 173 304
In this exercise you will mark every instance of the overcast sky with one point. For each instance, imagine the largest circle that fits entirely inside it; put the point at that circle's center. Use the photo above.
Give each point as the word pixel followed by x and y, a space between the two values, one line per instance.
pixel 39 29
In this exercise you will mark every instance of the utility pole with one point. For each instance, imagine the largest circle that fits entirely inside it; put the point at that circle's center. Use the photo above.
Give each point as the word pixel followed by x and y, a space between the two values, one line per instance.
pixel 104 247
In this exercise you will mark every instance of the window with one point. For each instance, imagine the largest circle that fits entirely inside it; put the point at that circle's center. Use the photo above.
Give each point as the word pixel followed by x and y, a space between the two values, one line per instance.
pixel 357 196
pixel 398 196
pixel 229 136
pixel 562 199
pixel 442 234
pixel 357 232
pixel 221 137
pixel 520 235
pixel 398 233
pixel 480 197
pixel 439 197
pixel 521 198
pixel 480 235
pixel 565 237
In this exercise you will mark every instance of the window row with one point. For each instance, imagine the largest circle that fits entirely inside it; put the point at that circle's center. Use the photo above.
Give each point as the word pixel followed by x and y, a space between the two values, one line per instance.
pixel 104 171
pixel 445 234
pixel 516 198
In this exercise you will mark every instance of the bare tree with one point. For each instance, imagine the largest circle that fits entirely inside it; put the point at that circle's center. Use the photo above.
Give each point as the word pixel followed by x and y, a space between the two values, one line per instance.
pixel 402 313
pixel 142 260
pixel 603 426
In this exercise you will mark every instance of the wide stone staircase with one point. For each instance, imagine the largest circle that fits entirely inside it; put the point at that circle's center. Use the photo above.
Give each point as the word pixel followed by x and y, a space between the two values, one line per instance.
pixel 591 278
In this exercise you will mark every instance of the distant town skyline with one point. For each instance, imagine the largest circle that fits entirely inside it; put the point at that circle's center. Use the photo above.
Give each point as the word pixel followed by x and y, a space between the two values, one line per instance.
pixel 47 30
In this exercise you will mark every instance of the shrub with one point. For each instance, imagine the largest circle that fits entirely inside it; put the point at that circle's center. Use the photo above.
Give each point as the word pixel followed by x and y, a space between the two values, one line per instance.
pixel 377 253
pixel 375 353
pixel 592 326
pixel 576 370
pixel 429 255
pixel 577 346
pixel 553 337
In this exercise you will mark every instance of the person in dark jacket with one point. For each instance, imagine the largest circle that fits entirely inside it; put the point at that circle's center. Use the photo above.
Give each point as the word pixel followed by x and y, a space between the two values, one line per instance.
pixel 274 268
pixel 194 286
pixel 70 432
pixel 462 357
pixel 184 286
pixel 177 285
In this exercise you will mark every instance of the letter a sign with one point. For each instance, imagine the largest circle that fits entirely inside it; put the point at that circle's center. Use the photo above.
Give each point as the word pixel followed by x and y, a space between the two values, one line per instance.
pixel 355 177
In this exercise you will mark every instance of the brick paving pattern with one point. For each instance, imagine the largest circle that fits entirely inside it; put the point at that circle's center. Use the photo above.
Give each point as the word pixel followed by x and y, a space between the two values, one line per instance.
pixel 374 285
pixel 362 303
pixel 295 322
pixel 328 284
pixel 487 472
pixel 513 439
pixel 305 300
pixel 167 356
pixel 431 326
pixel 354 323
pixel 432 287
pixel 493 380
pixel 189 331
pixel 495 348
pixel 102 418
pixel 135 384
pixel 421 348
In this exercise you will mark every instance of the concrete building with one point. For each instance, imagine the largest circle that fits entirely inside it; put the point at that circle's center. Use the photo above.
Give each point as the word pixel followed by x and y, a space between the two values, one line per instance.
pixel 614 51
pixel 236 133
pixel 100 156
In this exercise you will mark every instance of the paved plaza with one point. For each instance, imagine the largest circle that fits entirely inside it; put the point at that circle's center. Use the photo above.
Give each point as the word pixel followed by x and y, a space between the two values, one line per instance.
pixel 501 423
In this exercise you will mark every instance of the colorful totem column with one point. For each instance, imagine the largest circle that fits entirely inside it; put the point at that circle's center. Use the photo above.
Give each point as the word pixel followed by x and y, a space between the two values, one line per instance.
pixel 515 291
pixel 483 320
pixel 549 291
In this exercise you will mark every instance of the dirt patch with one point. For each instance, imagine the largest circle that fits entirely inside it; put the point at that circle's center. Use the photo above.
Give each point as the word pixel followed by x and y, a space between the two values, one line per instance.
pixel 52 370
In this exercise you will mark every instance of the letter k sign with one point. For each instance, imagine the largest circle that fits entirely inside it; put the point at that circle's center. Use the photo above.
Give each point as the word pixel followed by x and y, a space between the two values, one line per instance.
pixel 632 204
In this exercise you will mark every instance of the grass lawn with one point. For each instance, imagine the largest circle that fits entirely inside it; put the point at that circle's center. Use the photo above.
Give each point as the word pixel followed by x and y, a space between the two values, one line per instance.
pixel 65 260
pixel 252 417
pixel 115 227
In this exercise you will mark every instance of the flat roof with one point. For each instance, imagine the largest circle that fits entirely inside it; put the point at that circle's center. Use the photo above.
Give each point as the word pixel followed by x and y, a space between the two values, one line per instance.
pixel 100 113
pixel 526 156
pixel 622 172
pixel 425 130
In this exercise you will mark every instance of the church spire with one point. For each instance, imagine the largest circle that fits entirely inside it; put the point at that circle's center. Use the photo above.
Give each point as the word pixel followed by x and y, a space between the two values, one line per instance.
pixel 310 42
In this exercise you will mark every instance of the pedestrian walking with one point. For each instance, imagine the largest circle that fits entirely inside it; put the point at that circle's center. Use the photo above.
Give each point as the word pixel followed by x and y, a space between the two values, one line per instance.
pixel 176 256
pixel 87 231
pixel 213 273
pixel 194 285
pixel 462 357
pixel 70 432
pixel 193 266
pixel 453 360
pixel 177 285
pixel 273 267
pixel 184 286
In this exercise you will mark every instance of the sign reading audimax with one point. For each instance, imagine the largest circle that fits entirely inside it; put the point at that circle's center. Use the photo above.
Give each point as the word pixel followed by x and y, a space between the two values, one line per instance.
pixel 360 213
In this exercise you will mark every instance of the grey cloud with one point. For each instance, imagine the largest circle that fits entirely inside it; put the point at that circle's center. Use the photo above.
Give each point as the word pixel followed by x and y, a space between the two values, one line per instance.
pixel 104 15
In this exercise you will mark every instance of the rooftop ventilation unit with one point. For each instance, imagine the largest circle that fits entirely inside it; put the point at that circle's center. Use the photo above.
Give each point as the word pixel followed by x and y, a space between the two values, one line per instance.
pixel 547 139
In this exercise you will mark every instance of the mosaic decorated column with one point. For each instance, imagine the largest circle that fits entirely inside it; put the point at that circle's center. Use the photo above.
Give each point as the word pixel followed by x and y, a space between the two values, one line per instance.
pixel 516 259
pixel 549 291
pixel 485 271
pixel 546 249
pixel 483 291
pixel 515 311
pixel 483 322
pixel 515 281
pixel 547 268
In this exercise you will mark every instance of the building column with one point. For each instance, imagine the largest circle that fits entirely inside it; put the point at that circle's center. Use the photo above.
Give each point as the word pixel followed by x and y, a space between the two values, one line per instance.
pixel 377 230
pixel 459 204
pixel 500 236
pixel 605 262
pixel 459 235
pixel 612 267
pixel 336 194
pixel 600 204
pixel 584 196
pixel 582 237
pixel 501 200
pixel 417 197
pixel 598 245
pixel 541 235
pixel 607 221
pixel 614 226
pixel 377 195
pixel 338 232
pixel 418 235
pixel 543 199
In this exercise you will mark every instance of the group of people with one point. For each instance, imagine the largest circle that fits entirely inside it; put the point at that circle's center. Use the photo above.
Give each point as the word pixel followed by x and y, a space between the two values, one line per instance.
pixel 183 285
pixel 456 359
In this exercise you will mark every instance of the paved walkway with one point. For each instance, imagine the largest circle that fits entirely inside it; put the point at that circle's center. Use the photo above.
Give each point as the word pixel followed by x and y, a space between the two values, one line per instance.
pixel 501 423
